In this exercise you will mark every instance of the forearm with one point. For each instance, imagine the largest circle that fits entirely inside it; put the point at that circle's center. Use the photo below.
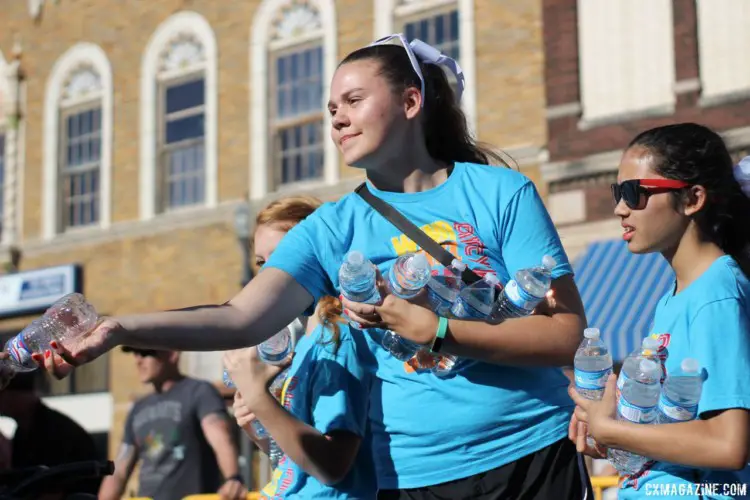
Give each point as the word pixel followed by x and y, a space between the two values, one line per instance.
pixel 226 456
pixel 112 487
pixel 204 328
pixel 312 450
pixel 533 340
pixel 265 306
pixel 694 443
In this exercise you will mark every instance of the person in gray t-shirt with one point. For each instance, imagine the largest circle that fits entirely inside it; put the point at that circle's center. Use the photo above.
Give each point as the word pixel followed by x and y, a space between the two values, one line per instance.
pixel 180 434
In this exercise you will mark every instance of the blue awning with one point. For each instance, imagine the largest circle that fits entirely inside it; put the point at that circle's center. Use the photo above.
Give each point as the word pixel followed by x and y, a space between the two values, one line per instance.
pixel 620 291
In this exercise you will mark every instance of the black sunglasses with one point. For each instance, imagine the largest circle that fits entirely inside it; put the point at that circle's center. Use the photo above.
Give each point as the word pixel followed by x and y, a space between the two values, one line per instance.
pixel 635 192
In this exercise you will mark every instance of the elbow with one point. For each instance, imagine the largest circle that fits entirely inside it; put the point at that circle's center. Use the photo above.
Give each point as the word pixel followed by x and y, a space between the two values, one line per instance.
pixel 333 475
pixel 735 456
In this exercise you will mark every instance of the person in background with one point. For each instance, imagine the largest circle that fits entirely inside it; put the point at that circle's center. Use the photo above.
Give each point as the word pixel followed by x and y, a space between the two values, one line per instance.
pixel 44 436
pixel 679 194
pixel 181 435
pixel 321 421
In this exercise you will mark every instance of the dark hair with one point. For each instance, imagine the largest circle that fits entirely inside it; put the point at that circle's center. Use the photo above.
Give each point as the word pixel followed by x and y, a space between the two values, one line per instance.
pixel 446 133
pixel 697 155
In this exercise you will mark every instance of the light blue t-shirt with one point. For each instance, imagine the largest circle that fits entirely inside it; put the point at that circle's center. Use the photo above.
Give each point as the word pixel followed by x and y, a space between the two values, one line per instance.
pixel 708 321
pixel 329 390
pixel 428 430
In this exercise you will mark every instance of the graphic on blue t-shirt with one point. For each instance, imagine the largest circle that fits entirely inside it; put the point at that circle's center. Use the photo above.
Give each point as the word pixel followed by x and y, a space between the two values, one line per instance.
pixel 428 430
pixel 710 322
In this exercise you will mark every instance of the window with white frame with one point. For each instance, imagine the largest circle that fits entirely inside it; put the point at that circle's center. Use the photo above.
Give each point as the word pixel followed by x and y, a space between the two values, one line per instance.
pixel 723 44
pixel 181 172
pixel 626 56
pixel 297 114
pixel 77 152
pixel 293 47
pixel 179 117
pixel 80 148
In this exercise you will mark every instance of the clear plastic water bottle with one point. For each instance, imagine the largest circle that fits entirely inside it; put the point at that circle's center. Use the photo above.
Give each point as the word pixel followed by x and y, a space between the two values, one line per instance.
pixel 525 291
pixel 408 276
pixel 65 321
pixel 276 349
pixel 443 289
pixel 592 365
pixel 476 300
pixel 647 350
pixel 637 403
pixel 358 280
pixel 681 393
pixel 275 389
pixel 662 353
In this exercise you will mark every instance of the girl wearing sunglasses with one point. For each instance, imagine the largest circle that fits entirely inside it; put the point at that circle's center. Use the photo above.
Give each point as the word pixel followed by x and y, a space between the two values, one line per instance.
pixel 497 428
pixel 679 194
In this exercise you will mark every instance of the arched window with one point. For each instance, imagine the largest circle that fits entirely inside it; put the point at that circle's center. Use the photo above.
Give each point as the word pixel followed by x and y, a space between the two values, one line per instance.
pixel 78 141
pixel 293 60
pixel 179 116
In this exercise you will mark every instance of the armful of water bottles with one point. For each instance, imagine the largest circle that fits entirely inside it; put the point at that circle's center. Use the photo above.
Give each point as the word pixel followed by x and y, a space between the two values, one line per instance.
pixel 550 336
pixel 719 441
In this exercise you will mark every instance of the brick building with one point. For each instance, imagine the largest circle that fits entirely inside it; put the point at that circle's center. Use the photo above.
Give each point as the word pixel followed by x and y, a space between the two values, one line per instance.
pixel 612 70
pixel 131 132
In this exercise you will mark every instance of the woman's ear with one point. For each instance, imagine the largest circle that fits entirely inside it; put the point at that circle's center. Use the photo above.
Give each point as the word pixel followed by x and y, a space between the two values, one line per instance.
pixel 412 102
pixel 694 200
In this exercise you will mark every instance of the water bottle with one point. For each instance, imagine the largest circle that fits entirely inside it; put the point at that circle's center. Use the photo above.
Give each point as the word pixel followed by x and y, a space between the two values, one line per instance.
pixel 662 353
pixel 525 291
pixel 275 389
pixel 65 321
pixel 636 403
pixel 592 365
pixel 358 280
pixel 276 349
pixel 680 394
pixel 476 300
pixel 647 350
pixel 443 290
pixel 408 276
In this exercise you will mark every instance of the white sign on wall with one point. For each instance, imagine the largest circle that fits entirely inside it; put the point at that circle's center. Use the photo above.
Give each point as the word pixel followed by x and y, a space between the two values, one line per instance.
pixel 36 290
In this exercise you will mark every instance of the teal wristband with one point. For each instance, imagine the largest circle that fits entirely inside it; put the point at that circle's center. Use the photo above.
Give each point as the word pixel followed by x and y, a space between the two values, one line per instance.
pixel 442 329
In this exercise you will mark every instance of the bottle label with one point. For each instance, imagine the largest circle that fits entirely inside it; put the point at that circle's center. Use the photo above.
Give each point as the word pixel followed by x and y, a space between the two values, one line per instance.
pixel 634 413
pixel 675 412
pixel 591 381
pixel 520 297
pixel 20 352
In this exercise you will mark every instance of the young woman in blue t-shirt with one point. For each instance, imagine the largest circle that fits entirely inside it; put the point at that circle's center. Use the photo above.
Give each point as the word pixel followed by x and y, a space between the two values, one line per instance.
pixel 678 194
pixel 495 429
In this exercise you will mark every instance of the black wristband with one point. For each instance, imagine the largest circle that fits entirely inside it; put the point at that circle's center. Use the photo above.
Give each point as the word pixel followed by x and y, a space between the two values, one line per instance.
pixel 236 477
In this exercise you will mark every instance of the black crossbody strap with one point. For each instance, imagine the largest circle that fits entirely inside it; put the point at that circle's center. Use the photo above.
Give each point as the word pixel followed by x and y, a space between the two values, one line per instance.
pixel 412 231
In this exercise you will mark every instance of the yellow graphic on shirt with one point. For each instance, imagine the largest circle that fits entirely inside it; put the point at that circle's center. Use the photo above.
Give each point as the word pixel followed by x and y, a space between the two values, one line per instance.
pixel 272 488
pixel 462 241
pixel 440 231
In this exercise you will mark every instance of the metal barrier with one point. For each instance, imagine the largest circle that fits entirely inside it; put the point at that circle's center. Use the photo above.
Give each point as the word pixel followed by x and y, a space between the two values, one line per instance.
pixel 601 483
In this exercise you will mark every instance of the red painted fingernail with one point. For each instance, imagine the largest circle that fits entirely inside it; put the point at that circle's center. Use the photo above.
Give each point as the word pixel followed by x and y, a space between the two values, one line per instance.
pixel 53 344
pixel 47 354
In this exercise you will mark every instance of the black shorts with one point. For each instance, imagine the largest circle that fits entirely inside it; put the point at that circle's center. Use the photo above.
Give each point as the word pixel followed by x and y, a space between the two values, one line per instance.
pixel 556 472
